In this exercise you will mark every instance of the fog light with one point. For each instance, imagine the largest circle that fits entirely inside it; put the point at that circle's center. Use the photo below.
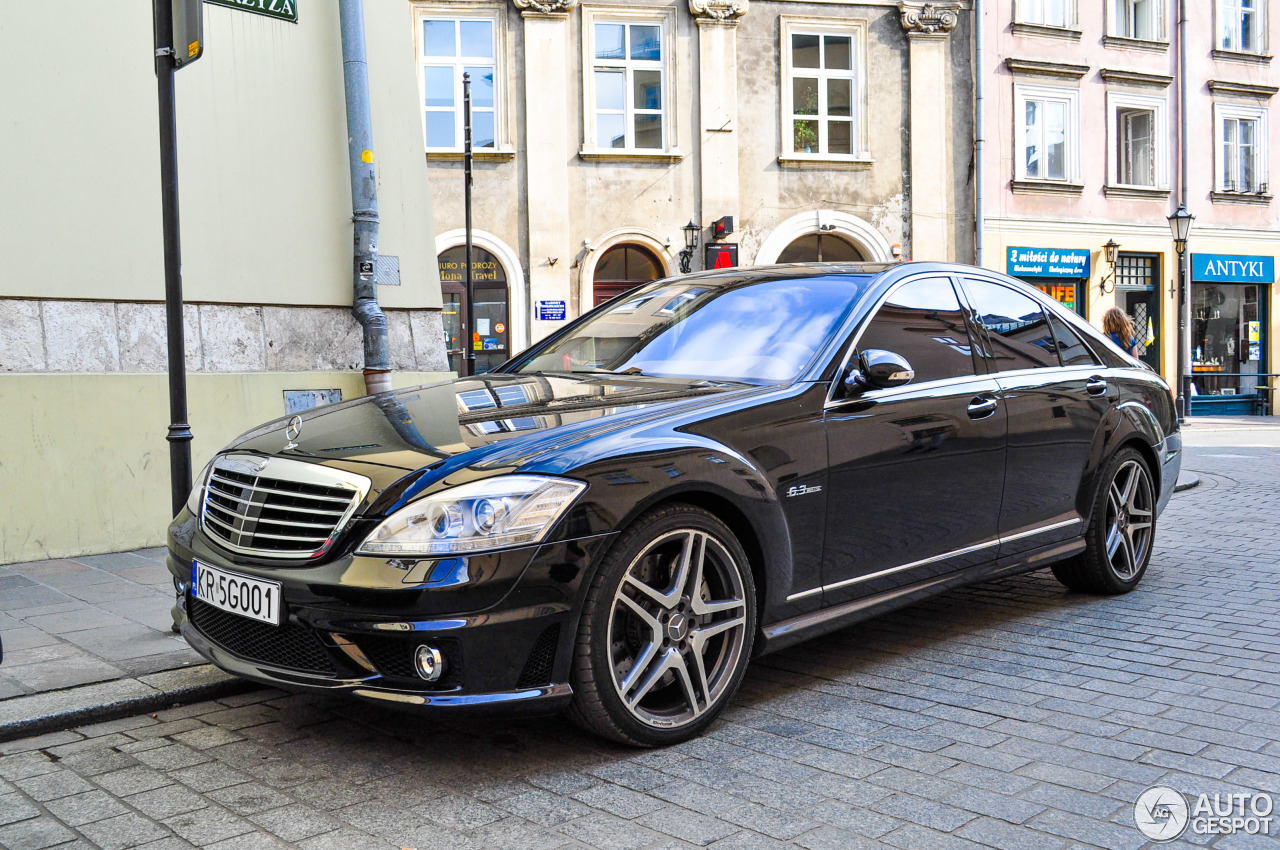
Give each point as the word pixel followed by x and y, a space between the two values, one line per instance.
pixel 179 587
pixel 429 662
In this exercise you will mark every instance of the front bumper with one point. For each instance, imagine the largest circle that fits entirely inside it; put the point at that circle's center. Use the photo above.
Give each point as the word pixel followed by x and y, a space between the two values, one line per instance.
pixel 504 623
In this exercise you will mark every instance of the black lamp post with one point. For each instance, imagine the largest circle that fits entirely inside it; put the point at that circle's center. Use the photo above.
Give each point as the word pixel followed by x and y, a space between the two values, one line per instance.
pixel 691 231
pixel 1180 225
pixel 1109 251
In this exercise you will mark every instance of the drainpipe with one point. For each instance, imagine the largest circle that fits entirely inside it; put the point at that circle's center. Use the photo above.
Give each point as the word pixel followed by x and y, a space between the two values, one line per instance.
pixel 979 134
pixel 364 199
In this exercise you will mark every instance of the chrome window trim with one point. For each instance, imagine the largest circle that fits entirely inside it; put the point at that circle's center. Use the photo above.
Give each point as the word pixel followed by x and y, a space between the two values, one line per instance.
pixel 836 379
pixel 924 561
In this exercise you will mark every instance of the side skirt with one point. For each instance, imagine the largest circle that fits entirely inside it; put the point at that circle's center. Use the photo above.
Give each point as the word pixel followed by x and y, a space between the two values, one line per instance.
pixel 788 632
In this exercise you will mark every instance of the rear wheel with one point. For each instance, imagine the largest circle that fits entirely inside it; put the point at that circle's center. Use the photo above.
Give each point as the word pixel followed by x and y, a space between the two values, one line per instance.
pixel 666 630
pixel 1121 533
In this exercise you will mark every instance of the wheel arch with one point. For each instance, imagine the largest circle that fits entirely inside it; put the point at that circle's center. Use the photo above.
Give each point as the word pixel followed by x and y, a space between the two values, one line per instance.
pixel 723 509
pixel 1130 424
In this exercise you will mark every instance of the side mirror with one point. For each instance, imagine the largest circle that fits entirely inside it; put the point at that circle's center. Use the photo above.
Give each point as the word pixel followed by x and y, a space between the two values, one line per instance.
pixel 878 369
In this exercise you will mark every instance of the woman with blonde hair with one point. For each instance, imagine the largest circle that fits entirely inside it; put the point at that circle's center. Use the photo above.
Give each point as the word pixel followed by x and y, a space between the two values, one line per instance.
pixel 1117 325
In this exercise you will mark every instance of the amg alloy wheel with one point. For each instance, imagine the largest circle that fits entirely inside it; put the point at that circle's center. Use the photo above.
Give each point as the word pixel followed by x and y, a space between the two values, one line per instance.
pixel 1121 531
pixel 666 631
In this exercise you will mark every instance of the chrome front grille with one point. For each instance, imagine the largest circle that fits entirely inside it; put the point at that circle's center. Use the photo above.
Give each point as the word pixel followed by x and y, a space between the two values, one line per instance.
pixel 276 507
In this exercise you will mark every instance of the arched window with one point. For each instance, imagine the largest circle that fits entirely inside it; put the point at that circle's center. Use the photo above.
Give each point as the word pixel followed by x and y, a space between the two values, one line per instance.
pixel 491 337
pixel 820 248
pixel 624 267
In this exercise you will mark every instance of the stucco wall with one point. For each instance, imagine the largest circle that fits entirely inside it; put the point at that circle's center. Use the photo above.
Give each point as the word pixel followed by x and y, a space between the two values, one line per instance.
pixel 266 203
pixel 649 200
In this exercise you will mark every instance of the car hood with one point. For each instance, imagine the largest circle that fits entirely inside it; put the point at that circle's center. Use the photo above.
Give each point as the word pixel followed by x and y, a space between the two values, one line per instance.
pixel 495 419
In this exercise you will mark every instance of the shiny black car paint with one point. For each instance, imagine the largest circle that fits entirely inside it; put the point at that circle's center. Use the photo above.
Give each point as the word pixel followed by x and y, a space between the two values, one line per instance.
pixel 823 489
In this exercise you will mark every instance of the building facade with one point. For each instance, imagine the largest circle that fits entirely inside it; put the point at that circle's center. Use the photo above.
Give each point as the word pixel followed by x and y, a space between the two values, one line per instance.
pixel 608 134
pixel 1084 149
pixel 267 250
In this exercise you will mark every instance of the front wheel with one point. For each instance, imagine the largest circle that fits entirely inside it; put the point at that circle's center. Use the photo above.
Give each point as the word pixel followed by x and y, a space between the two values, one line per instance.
pixel 666 630
pixel 1121 533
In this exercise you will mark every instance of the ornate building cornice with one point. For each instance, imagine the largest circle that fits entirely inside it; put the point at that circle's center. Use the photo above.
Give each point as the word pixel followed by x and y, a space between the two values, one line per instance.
pixel 718 10
pixel 930 18
pixel 545 7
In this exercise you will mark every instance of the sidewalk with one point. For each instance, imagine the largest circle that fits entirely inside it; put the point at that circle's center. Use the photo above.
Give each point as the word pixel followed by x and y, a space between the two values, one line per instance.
pixel 74 621
pixel 87 639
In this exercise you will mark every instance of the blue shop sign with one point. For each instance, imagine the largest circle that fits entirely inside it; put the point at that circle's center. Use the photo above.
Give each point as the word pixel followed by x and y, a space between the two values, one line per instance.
pixel 1048 262
pixel 1232 268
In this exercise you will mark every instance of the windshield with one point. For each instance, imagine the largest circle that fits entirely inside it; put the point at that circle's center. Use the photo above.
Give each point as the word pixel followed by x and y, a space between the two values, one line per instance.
pixel 759 331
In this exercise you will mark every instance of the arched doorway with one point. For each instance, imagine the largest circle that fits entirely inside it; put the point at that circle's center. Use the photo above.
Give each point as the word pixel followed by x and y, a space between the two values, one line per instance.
pixel 621 268
pixel 865 238
pixel 491 337
pixel 821 248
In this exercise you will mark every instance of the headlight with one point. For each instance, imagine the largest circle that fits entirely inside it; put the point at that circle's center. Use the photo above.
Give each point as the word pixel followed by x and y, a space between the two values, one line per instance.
pixel 507 510
pixel 193 501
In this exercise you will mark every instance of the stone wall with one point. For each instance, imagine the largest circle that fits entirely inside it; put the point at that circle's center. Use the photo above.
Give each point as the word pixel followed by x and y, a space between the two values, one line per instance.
pixel 127 336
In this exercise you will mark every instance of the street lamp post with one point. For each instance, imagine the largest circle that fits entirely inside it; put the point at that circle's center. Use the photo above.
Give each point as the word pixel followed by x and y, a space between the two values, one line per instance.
pixel 1180 225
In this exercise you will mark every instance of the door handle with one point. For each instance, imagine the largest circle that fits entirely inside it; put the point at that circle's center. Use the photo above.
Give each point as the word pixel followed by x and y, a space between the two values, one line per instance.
pixel 1097 385
pixel 981 407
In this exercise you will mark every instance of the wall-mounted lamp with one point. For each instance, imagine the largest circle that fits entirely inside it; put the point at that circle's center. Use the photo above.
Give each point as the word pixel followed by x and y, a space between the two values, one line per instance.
pixel 896 251
pixel 691 231
pixel 587 246
pixel 1109 251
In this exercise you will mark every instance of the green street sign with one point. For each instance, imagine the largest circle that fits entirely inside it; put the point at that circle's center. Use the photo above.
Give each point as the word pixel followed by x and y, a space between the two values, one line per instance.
pixel 284 10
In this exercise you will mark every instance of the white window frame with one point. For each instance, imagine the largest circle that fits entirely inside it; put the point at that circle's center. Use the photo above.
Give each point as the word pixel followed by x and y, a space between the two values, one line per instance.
pixel 1159 106
pixel 665 18
pixel 858 142
pixel 502 119
pixel 1036 11
pixel 1121 13
pixel 1223 112
pixel 1228 15
pixel 1071 158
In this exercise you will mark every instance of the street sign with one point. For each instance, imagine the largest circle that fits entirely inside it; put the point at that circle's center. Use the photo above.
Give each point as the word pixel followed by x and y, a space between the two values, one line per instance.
pixel 551 311
pixel 188 32
pixel 281 10
pixel 1047 262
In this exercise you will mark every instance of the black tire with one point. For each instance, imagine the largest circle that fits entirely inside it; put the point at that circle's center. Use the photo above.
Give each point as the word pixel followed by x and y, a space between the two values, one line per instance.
pixel 1121 533
pixel 624 614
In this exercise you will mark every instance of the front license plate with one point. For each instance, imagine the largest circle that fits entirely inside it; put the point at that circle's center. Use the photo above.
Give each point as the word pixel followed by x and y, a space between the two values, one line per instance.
pixel 248 597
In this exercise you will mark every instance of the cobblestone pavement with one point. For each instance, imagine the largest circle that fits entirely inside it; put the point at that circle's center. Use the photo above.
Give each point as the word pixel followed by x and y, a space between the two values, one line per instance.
pixel 1012 715
pixel 73 621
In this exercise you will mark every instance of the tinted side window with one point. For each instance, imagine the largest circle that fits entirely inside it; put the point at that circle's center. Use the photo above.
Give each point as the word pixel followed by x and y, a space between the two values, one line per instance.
pixel 1019 332
pixel 922 322
pixel 1071 348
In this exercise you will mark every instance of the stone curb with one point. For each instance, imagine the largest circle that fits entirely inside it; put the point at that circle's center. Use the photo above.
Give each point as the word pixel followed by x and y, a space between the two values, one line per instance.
pixel 22 717
pixel 1186 480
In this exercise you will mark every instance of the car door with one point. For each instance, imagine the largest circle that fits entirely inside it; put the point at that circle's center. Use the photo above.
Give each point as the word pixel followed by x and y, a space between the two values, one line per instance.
pixel 1054 413
pixel 915 472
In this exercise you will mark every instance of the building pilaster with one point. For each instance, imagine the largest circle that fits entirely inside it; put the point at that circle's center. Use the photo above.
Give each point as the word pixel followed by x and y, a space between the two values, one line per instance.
pixel 718 103
pixel 928 26
pixel 547 155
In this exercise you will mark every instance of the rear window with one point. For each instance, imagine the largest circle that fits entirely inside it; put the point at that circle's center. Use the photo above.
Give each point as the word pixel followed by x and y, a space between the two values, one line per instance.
pixel 1071 348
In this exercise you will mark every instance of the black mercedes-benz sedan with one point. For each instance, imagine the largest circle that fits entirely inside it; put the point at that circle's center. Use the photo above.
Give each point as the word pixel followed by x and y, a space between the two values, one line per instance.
pixel 704 469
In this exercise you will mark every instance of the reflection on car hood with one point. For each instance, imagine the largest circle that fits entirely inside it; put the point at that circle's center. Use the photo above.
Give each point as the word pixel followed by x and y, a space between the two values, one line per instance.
pixel 513 416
